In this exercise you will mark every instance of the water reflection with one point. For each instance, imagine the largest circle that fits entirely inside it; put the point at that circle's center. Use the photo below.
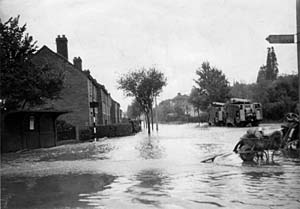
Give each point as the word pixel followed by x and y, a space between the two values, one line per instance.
pixel 268 186
pixel 150 148
pixel 56 191
pixel 255 175
pixel 164 171
pixel 151 186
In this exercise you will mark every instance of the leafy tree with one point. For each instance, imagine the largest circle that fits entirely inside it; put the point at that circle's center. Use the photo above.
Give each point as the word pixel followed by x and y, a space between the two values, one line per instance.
pixel 178 110
pixel 164 108
pixel 261 76
pixel 143 85
pixel 199 102
pixel 134 110
pixel 212 84
pixel 241 90
pixel 278 97
pixel 270 70
pixel 272 65
pixel 22 83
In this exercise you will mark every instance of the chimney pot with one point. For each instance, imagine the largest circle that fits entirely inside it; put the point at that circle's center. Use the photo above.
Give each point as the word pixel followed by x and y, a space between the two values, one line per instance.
pixel 77 63
pixel 62 46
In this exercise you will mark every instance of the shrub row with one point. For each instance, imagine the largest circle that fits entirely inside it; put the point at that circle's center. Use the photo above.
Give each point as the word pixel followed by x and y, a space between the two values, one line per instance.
pixel 113 130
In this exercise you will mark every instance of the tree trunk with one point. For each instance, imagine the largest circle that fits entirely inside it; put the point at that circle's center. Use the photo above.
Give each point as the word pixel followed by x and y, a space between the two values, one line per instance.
pixel 148 123
pixel 152 122
pixel 198 115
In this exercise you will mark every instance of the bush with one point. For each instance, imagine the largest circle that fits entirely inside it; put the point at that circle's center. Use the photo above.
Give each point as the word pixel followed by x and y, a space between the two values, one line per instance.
pixel 113 130
pixel 277 110
pixel 85 134
pixel 201 119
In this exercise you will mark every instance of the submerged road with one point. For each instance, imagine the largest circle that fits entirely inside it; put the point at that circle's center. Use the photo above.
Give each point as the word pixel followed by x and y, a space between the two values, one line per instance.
pixel 163 171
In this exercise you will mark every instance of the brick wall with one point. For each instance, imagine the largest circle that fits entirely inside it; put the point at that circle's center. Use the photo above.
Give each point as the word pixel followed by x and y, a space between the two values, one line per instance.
pixel 74 96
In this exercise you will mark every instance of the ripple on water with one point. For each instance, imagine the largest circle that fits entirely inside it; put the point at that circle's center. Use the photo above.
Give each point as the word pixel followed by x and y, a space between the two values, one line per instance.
pixel 163 171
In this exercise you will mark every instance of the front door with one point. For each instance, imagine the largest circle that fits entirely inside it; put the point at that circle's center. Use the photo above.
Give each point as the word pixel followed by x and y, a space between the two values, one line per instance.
pixel 31 132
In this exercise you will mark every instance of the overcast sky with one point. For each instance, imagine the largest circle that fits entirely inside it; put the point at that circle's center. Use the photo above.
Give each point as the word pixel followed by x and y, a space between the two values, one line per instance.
pixel 176 36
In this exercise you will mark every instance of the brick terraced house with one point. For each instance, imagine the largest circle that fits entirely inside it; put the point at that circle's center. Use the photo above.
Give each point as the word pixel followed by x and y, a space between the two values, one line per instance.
pixel 80 89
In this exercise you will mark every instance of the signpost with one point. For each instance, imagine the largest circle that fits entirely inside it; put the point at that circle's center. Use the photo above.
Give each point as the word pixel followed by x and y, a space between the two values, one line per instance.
pixel 289 39
pixel 298 51
pixel 281 39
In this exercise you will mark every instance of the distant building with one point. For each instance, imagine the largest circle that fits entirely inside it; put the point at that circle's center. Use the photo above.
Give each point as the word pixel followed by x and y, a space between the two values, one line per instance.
pixel 182 102
pixel 177 108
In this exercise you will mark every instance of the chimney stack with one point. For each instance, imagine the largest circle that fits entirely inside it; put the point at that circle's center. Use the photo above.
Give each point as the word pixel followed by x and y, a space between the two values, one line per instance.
pixel 77 63
pixel 62 46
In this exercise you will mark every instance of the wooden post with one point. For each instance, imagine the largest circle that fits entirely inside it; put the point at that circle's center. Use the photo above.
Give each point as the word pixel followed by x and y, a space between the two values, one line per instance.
pixel 77 137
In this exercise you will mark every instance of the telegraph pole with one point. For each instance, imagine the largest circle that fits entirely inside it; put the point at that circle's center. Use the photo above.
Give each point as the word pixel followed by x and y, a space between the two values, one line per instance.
pixel 298 50
pixel 288 39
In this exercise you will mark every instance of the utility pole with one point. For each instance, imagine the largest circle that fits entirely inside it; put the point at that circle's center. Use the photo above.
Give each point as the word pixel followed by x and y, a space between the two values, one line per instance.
pixel 298 51
pixel 287 39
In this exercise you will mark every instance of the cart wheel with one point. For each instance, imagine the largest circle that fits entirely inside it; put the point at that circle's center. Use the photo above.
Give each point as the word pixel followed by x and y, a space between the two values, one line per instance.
pixel 246 153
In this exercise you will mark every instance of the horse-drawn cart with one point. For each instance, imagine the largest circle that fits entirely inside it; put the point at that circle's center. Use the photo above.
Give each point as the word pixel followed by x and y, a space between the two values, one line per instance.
pixel 257 147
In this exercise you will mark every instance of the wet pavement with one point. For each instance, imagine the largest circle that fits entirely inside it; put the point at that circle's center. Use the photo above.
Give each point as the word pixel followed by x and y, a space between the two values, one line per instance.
pixel 163 171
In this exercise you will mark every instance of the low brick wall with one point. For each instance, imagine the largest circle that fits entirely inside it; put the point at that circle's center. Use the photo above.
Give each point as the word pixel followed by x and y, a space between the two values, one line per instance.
pixel 113 130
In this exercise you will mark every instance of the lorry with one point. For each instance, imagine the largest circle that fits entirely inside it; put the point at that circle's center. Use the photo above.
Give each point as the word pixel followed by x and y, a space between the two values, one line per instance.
pixel 242 112
pixel 216 114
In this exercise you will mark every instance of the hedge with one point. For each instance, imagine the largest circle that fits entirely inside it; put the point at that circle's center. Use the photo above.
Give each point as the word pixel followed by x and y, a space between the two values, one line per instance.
pixel 113 130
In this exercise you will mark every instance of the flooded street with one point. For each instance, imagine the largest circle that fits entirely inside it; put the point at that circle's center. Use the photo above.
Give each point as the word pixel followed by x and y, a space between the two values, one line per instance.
pixel 164 171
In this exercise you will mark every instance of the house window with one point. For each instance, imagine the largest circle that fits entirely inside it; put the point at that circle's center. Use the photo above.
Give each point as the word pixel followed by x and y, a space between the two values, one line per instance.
pixel 31 123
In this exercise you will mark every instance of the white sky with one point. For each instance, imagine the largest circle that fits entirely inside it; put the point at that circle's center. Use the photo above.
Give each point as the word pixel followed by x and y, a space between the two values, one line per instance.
pixel 176 36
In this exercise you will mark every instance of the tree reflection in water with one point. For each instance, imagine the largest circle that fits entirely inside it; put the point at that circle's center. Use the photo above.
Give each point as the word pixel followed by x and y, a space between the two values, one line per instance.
pixel 153 185
pixel 150 148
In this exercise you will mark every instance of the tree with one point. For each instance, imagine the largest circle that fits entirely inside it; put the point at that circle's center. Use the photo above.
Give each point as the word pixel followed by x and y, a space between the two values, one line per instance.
pixel 241 90
pixel 143 85
pixel 272 65
pixel 278 97
pixel 270 70
pixel 212 84
pixel 261 76
pixel 134 110
pixel 178 109
pixel 22 83
pixel 164 108
pixel 199 102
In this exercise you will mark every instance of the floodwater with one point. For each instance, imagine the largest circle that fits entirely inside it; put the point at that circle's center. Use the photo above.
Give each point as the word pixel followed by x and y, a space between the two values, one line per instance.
pixel 163 171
